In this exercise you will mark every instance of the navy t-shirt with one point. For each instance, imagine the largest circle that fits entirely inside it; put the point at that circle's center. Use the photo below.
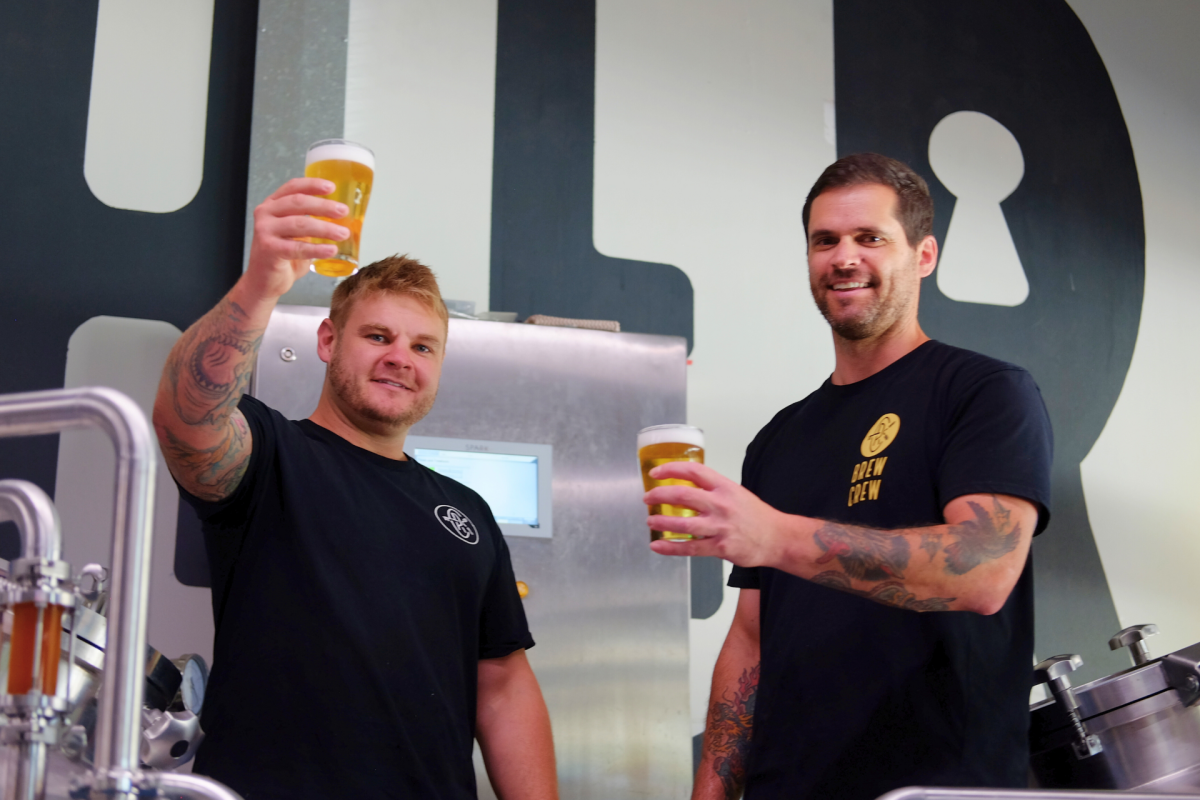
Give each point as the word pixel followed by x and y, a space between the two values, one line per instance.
pixel 354 596
pixel 857 698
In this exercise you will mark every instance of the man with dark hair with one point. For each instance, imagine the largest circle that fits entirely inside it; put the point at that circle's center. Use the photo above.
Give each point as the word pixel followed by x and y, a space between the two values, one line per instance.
pixel 362 640
pixel 883 635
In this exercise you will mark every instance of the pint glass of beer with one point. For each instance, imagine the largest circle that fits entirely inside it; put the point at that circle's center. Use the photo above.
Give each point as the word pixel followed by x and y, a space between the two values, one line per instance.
pixel 661 444
pixel 351 166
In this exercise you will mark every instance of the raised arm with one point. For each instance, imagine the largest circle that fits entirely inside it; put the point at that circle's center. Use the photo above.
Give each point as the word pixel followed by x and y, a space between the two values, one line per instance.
pixel 722 771
pixel 970 563
pixel 204 437
pixel 513 729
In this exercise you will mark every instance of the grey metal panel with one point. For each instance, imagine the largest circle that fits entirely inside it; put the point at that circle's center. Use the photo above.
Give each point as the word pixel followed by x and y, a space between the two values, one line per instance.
pixel 299 97
pixel 288 374
pixel 610 618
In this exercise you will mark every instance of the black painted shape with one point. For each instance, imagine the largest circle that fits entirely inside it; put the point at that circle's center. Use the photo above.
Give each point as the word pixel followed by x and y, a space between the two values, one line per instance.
pixel 543 257
pixel 10 541
pixel 68 257
pixel 1076 220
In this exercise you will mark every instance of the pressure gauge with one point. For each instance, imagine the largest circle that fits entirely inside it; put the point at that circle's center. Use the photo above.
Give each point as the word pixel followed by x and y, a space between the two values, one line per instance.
pixel 195 679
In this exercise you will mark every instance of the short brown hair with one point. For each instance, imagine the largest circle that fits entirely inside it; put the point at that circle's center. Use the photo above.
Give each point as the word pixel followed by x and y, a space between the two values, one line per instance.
pixel 394 275
pixel 915 208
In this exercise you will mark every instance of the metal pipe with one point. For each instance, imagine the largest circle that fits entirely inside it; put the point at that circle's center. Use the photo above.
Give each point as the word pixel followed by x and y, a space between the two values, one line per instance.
pixel 118 728
pixel 31 771
pixel 36 517
pixel 925 793
pixel 179 784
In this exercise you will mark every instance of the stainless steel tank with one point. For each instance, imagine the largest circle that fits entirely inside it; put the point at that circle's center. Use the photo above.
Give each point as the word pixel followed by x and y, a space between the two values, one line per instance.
pixel 1136 729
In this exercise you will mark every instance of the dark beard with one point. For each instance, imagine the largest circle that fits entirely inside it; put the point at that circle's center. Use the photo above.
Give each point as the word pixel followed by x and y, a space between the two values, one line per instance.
pixel 352 398
pixel 852 330
pixel 886 311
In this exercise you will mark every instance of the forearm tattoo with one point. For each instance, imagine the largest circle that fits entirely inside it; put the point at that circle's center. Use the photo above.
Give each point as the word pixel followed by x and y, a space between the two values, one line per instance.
pixel 730 725
pixel 870 555
pixel 889 593
pixel 208 373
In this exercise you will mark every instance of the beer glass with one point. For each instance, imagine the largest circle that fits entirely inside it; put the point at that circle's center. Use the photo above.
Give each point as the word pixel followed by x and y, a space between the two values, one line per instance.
pixel 660 444
pixel 351 167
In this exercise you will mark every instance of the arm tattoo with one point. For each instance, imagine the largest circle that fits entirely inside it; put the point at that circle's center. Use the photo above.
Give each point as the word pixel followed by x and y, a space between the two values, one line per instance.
pixel 985 538
pixel 867 554
pixel 206 375
pixel 216 471
pixel 931 543
pixel 211 370
pixel 888 593
pixel 864 553
pixel 730 724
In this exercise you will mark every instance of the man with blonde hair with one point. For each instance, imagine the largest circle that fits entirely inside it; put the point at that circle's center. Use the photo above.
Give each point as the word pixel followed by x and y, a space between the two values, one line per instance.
pixel 362 642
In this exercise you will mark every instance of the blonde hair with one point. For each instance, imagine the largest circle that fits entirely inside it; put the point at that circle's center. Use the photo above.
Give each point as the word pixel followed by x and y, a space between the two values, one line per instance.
pixel 394 275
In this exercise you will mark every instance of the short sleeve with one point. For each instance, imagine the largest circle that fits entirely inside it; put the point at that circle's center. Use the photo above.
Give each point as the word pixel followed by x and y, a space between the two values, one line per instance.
pixel 744 578
pixel 503 628
pixel 999 442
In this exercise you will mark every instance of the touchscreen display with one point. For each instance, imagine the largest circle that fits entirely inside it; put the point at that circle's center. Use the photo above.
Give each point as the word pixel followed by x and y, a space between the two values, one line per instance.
pixel 509 483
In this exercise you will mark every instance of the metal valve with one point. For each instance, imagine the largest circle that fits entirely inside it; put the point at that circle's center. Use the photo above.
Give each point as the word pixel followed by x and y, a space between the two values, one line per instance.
pixel 1134 638
pixel 1053 672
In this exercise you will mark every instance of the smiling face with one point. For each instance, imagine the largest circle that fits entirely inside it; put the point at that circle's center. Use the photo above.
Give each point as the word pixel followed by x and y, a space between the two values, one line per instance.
pixel 864 275
pixel 385 363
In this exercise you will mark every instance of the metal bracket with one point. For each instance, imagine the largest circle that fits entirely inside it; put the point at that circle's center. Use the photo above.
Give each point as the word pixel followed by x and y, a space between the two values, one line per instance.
pixel 1183 673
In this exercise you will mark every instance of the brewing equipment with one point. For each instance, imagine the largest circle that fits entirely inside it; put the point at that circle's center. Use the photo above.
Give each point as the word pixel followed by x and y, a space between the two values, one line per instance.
pixel 47 690
pixel 1136 729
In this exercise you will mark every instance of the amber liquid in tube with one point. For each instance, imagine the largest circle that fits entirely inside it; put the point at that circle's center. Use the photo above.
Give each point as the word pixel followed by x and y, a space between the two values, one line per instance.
pixel 21 648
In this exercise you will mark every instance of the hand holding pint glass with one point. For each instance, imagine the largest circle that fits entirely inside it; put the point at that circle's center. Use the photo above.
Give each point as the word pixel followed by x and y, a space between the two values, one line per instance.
pixel 352 168
pixel 661 444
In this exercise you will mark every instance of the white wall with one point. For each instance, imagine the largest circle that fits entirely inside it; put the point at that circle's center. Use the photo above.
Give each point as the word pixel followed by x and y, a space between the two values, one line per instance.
pixel 710 128
pixel 1140 478
pixel 420 91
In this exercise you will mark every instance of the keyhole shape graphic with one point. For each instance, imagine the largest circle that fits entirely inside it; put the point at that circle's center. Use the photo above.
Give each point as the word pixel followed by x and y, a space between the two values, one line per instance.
pixel 979 161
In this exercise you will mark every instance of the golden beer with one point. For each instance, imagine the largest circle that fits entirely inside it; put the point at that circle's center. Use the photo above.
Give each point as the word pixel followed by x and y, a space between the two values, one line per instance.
pixel 352 167
pixel 661 444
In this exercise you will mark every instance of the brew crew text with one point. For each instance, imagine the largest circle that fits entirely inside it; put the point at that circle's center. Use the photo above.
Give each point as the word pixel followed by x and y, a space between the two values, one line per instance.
pixel 861 488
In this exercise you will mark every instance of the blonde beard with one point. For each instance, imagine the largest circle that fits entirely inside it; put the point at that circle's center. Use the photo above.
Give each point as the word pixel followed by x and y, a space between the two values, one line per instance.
pixel 352 397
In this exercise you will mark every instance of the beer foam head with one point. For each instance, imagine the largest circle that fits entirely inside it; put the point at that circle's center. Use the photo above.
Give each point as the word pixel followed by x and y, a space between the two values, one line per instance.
pixel 660 434
pixel 341 150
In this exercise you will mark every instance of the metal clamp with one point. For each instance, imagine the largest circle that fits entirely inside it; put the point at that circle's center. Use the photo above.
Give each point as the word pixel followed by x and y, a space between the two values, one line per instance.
pixel 1134 638
pixel 1183 673
pixel 1053 672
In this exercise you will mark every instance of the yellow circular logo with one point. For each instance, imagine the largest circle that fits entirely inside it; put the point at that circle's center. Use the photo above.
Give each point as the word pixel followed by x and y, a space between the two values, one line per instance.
pixel 882 434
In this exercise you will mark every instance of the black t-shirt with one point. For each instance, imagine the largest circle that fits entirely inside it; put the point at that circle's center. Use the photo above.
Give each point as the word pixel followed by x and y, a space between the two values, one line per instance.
pixel 857 698
pixel 353 595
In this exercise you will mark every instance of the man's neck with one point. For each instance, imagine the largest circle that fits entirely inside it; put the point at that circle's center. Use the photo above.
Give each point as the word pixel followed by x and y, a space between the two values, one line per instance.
pixel 387 442
pixel 859 359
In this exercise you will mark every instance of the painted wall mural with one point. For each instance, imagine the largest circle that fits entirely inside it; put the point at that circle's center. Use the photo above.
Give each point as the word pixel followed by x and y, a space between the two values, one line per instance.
pixel 1075 219
pixel 543 256
pixel 69 257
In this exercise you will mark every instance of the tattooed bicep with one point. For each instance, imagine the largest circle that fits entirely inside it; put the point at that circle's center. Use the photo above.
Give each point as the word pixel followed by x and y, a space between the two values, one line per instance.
pixel 211 472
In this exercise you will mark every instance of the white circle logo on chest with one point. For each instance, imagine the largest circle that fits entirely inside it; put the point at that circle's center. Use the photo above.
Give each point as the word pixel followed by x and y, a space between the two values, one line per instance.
pixel 457 523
